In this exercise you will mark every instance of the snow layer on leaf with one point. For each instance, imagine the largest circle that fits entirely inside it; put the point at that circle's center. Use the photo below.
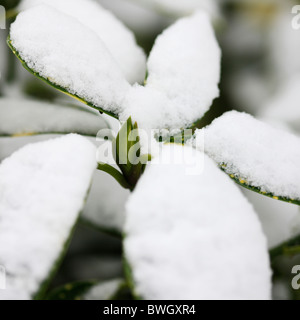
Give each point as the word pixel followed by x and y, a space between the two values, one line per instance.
pixel 257 153
pixel 19 117
pixel 42 190
pixel 183 7
pixel 103 291
pixel 184 72
pixel 67 53
pixel 194 236
pixel 118 39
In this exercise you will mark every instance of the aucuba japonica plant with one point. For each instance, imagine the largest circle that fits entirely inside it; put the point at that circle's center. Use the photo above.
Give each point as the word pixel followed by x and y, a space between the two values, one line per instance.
pixel 185 219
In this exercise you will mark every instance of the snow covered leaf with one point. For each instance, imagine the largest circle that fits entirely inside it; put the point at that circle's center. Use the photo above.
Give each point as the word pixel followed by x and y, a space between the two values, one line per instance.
pixel 183 244
pixel 68 55
pixel 118 39
pixel 29 117
pixel 42 191
pixel 106 214
pixel 256 155
pixel 184 72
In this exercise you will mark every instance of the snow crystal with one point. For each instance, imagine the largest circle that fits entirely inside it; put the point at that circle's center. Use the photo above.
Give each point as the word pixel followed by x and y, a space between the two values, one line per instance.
pixel 255 152
pixel 194 236
pixel 42 190
pixel 104 290
pixel 184 71
pixel 69 54
pixel 119 40
pixel 29 117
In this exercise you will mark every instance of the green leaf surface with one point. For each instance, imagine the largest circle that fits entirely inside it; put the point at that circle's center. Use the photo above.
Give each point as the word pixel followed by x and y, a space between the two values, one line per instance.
pixel 115 174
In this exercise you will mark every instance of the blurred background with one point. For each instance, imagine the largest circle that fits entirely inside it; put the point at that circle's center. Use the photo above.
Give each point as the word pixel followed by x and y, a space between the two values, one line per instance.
pixel 260 75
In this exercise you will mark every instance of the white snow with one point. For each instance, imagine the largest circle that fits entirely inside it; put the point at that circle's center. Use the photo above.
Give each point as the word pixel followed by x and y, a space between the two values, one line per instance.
pixel 184 72
pixel 104 290
pixel 69 54
pixel 118 39
pixel 30 116
pixel 42 191
pixel 194 236
pixel 255 152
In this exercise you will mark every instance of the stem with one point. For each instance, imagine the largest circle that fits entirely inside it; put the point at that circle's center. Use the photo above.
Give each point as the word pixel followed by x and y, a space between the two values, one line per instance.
pixel 116 174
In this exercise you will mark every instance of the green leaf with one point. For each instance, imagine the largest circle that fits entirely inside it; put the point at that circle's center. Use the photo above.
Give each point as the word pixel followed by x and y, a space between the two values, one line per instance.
pixel 114 173
pixel 127 153
pixel 29 117
pixel 43 190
